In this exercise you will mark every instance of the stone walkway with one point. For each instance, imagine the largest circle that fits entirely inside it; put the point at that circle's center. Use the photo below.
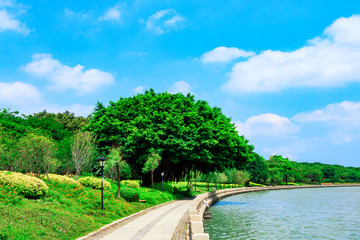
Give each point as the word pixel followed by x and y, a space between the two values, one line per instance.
pixel 156 224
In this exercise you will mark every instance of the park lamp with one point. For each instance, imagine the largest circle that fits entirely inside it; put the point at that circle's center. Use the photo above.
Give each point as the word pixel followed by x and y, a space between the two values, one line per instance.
pixel 102 161
pixel 162 181
pixel 102 164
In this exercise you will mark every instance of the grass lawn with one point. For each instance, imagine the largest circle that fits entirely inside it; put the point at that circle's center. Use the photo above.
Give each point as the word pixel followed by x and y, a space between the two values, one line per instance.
pixel 68 212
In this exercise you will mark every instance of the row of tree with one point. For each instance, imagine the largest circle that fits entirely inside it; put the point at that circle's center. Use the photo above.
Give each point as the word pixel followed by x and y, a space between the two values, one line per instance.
pixel 279 170
pixel 145 135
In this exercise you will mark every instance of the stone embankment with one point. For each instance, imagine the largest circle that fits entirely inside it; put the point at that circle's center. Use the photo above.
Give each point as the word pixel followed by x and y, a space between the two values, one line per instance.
pixel 194 216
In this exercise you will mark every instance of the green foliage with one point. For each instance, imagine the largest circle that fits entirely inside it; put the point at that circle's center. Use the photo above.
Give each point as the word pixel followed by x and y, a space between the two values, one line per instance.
pixel 130 195
pixel 94 183
pixel 131 183
pixel 221 178
pixel 68 120
pixel 82 150
pixel 60 180
pixel 9 195
pixel 64 213
pixel 258 169
pixel 27 186
pixel 36 154
pixel 237 177
pixel 280 168
pixel 187 134
pixel 152 162
pixel 167 187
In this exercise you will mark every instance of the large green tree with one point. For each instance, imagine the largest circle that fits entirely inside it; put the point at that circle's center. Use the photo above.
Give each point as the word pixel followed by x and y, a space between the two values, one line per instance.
pixel 258 169
pixel 187 134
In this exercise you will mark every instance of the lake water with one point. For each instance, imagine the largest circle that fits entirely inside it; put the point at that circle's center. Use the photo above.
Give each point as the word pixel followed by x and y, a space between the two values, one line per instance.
pixel 321 213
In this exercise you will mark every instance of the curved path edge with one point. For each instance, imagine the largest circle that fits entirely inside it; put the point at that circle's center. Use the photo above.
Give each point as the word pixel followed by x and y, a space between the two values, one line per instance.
pixel 199 205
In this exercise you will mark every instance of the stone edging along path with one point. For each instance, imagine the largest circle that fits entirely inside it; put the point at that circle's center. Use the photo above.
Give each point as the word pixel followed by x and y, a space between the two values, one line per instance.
pixel 203 201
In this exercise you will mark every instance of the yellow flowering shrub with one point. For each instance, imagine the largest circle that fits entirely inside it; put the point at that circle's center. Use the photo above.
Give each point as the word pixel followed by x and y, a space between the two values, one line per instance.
pixel 94 183
pixel 61 180
pixel 132 183
pixel 27 186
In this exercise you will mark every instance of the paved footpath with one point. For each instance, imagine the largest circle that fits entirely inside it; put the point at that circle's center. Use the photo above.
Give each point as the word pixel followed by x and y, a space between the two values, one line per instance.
pixel 157 224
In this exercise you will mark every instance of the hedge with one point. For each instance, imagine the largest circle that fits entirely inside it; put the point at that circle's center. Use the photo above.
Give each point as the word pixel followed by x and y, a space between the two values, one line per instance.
pixel 25 185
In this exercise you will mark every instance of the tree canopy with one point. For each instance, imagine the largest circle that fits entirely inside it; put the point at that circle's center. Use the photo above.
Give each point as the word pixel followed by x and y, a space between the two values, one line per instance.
pixel 187 134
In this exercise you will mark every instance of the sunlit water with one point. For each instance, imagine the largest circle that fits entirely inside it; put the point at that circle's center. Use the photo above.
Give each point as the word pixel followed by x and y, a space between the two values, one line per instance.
pixel 322 213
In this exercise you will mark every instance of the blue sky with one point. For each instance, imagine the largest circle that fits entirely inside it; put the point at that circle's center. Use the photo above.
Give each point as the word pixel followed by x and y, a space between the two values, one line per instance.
pixel 286 72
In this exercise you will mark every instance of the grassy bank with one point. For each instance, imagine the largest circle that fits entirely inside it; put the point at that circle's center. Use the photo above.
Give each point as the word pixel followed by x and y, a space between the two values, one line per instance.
pixel 68 211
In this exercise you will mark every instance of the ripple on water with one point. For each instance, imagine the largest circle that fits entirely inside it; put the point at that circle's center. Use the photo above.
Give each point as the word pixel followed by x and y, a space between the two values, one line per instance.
pixel 326 213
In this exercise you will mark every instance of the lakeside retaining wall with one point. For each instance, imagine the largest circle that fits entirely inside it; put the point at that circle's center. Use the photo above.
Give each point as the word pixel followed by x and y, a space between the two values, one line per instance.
pixel 199 205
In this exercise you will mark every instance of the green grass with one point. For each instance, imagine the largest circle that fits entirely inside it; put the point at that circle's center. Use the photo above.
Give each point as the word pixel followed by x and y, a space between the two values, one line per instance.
pixel 68 212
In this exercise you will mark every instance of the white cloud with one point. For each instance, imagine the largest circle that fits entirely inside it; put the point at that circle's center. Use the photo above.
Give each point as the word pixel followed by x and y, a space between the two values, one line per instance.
pixel 164 21
pixel 139 89
pixel 63 77
pixel 78 15
pixel 346 114
pixel 224 54
pixel 180 87
pixel 332 60
pixel 266 125
pixel 342 119
pixel 18 93
pixel 9 23
pixel 112 14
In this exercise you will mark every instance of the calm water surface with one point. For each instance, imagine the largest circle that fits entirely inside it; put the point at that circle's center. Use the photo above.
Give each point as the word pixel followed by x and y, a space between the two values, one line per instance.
pixel 322 213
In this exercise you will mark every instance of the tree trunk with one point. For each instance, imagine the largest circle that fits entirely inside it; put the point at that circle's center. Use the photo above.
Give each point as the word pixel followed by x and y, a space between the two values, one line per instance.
pixel 152 178
pixel 118 173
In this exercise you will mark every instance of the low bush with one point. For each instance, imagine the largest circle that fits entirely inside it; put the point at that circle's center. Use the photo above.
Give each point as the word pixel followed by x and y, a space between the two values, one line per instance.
pixel 61 180
pixel 167 187
pixel 94 183
pixel 25 185
pixel 132 183
pixel 130 195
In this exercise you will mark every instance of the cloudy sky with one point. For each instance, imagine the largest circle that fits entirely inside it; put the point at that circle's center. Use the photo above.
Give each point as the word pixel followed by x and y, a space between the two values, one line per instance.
pixel 286 72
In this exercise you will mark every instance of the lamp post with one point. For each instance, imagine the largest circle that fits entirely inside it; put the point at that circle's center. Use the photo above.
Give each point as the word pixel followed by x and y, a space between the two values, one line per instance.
pixel 102 164
pixel 162 180
pixel 207 183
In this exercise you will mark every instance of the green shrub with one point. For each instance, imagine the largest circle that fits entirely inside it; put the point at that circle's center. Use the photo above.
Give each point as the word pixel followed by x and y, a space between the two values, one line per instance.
pixel 94 182
pixel 130 195
pixel 167 187
pixel 61 180
pixel 132 183
pixel 27 186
